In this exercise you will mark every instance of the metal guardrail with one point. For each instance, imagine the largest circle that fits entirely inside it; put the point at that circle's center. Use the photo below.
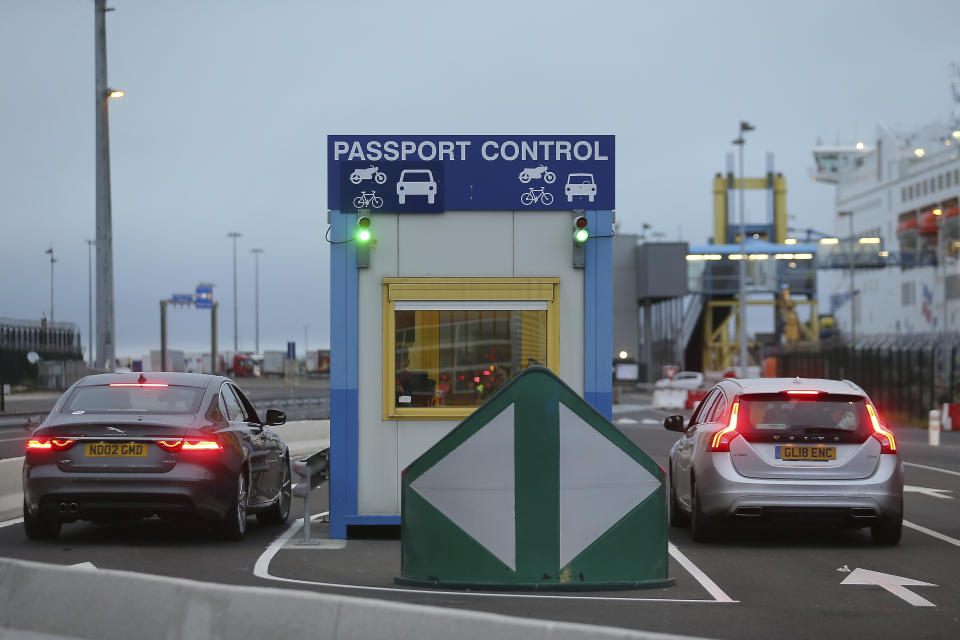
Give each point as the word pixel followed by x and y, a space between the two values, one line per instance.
pixel 313 471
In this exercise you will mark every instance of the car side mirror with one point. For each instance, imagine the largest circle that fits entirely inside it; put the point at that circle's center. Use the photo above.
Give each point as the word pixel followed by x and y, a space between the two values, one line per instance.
pixel 674 423
pixel 275 417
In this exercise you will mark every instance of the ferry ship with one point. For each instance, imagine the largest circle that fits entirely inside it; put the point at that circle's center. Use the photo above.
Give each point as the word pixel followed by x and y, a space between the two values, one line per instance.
pixel 892 264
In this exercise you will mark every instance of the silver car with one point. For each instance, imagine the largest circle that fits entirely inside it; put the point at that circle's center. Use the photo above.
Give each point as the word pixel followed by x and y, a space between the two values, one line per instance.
pixel 786 449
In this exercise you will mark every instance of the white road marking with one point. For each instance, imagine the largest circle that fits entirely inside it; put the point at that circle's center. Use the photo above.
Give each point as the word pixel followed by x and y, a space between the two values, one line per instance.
pixel 83 565
pixel 701 577
pixel 933 493
pixel 8 523
pixel 923 466
pixel 650 421
pixel 894 584
pixel 262 570
pixel 931 532
pixel 625 421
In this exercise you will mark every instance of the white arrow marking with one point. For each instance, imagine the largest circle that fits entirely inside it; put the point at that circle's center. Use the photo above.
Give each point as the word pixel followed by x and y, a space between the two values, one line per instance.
pixel 894 584
pixel 933 493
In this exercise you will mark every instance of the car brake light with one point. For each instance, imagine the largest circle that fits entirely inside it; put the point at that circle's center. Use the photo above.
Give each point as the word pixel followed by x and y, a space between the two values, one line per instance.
pixel 139 384
pixel 193 444
pixel 803 392
pixel 721 439
pixel 189 444
pixel 888 444
pixel 49 444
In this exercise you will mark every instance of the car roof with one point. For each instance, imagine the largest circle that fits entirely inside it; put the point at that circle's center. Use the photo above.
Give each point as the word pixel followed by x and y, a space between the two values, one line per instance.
pixel 778 385
pixel 200 380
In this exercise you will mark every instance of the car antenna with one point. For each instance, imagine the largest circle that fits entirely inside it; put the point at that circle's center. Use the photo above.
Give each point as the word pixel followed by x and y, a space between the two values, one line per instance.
pixel 141 379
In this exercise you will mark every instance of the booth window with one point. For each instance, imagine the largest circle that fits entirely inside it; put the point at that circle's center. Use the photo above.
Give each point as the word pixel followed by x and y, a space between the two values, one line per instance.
pixel 449 344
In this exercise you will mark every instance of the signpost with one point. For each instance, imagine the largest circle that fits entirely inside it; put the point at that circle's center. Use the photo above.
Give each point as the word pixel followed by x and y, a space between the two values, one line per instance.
pixel 202 300
pixel 432 174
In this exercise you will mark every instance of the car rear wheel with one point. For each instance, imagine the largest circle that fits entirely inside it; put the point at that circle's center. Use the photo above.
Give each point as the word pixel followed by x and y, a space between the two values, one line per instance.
pixel 702 528
pixel 887 533
pixel 678 518
pixel 234 523
pixel 279 511
pixel 39 528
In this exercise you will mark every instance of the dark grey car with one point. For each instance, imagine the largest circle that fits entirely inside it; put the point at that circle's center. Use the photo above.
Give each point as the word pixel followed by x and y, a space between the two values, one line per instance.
pixel 158 444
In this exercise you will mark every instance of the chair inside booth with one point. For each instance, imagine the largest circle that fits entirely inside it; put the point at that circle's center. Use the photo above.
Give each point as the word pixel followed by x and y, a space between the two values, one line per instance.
pixel 458 358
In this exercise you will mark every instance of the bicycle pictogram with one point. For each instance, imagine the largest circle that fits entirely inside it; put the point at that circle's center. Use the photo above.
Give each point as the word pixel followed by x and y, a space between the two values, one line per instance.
pixel 365 200
pixel 537 195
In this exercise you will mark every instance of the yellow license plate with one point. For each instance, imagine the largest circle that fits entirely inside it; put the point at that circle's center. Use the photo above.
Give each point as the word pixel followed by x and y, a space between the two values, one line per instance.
pixel 806 453
pixel 116 450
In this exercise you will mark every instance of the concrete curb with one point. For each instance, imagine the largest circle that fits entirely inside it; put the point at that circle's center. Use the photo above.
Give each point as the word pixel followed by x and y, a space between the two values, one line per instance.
pixel 87 602
pixel 302 436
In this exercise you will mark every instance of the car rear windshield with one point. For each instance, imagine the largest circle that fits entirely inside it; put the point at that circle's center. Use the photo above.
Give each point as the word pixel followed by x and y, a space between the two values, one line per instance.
pixel 107 399
pixel 771 414
pixel 416 176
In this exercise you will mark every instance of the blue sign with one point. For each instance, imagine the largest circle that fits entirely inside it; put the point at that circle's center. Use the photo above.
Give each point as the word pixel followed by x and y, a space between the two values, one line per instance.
pixel 182 298
pixel 204 296
pixel 431 174
pixel 291 351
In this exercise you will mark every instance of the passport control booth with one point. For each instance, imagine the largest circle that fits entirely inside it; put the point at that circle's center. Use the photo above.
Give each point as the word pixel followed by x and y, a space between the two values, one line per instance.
pixel 456 263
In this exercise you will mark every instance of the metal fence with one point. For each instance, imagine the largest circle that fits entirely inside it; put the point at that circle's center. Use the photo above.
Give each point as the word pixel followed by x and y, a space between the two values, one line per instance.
pixel 904 375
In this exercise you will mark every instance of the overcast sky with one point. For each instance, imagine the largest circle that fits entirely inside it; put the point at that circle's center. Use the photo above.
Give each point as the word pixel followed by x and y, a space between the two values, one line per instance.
pixel 228 104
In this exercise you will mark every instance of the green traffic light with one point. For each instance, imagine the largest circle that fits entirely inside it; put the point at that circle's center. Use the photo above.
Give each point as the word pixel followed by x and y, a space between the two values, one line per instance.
pixel 581 235
pixel 363 235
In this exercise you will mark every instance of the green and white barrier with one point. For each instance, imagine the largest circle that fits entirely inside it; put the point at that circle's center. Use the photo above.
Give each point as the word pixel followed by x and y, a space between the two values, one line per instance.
pixel 535 490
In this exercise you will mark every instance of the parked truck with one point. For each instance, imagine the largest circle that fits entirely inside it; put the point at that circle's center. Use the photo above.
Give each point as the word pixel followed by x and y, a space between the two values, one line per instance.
pixel 175 360
pixel 318 362
pixel 273 362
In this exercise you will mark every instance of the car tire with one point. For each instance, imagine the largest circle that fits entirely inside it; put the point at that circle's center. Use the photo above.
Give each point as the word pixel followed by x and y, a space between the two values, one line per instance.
pixel 234 523
pixel 39 528
pixel 279 511
pixel 702 528
pixel 887 533
pixel 676 515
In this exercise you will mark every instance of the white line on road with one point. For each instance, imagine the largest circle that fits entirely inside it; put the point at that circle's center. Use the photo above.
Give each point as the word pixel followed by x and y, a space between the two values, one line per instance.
pixel 923 466
pixel 701 577
pixel 7 523
pixel 262 570
pixel 933 493
pixel 931 532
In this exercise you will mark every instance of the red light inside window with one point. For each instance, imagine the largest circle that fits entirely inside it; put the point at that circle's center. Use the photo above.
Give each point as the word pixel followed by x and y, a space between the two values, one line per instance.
pixel 152 385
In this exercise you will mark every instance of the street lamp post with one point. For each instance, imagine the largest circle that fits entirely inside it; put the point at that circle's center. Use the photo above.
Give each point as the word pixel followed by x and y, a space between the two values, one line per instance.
pixel 942 258
pixel 90 244
pixel 256 297
pixel 234 235
pixel 52 260
pixel 740 141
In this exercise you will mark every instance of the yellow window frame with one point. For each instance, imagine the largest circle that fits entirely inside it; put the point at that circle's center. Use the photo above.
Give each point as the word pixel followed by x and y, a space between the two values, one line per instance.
pixel 453 290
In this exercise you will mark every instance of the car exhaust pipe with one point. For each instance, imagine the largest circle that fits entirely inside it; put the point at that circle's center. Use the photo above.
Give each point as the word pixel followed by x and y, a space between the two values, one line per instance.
pixel 749 512
pixel 62 507
pixel 74 508
pixel 863 513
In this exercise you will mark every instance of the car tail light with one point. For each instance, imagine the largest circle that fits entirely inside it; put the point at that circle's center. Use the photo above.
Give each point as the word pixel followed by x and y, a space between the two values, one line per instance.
pixel 49 444
pixel 721 439
pixel 189 444
pixel 803 392
pixel 197 444
pixel 888 444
